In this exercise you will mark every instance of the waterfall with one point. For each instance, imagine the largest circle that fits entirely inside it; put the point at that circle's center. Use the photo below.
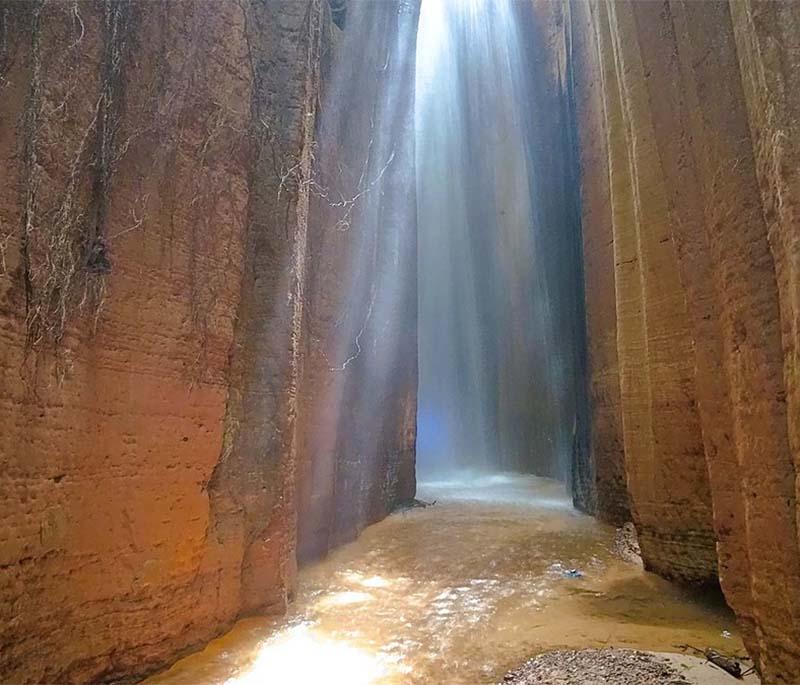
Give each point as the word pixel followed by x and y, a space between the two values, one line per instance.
pixel 492 389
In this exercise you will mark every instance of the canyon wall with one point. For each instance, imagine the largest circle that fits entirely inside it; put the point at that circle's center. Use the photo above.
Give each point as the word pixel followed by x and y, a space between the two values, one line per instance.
pixel 359 391
pixel 544 417
pixel 155 221
pixel 123 212
pixel 658 420
pixel 687 114
pixel 603 490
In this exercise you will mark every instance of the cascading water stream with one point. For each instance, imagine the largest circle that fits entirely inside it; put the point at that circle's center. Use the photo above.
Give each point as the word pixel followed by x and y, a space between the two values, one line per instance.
pixel 492 386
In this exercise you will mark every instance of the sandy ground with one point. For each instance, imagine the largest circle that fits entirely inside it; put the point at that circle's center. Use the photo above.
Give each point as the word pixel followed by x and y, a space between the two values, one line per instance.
pixel 620 667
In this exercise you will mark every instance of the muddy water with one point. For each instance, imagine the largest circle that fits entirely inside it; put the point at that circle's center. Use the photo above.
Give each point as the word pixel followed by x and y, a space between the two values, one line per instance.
pixel 459 593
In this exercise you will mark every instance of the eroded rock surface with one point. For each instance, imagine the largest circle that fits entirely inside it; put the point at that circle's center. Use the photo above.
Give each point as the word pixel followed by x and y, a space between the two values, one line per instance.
pixel 154 231
pixel 695 105
pixel 358 397
pixel 169 265
pixel 106 450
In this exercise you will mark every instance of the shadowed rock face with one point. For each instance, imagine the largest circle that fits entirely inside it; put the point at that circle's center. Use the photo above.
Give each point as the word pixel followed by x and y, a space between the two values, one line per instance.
pixel 688 116
pixel 358 395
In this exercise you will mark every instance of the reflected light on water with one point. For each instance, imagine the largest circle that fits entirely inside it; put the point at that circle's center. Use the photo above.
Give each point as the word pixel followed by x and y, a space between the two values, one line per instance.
pixel 507 489
pixel 375 581
pixel 300 654
pixel 458 594
pixel 366 581
pixel 341 599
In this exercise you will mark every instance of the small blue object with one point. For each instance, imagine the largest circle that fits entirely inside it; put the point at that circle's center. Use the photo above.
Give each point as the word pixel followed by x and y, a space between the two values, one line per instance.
pixel 573 573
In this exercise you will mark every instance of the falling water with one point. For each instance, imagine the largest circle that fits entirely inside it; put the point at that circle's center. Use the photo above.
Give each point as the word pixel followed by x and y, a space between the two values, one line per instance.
pixel 492 387
pixel 356 420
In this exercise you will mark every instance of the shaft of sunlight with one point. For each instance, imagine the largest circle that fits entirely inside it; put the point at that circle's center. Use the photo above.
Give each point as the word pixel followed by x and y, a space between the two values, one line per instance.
pixel 490 380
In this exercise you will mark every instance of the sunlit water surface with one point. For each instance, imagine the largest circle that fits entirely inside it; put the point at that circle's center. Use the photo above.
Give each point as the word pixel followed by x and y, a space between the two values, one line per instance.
pixel 459 593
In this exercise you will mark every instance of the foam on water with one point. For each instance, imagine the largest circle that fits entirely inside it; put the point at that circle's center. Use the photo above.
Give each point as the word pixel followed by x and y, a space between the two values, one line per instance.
pixel 519 490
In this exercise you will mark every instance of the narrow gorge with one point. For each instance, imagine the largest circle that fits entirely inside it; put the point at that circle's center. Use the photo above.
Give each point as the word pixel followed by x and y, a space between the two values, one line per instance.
pixel 399 341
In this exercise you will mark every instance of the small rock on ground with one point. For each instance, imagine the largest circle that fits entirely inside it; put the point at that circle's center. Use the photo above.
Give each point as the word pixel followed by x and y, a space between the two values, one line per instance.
pixel 596 667
pixel 626 544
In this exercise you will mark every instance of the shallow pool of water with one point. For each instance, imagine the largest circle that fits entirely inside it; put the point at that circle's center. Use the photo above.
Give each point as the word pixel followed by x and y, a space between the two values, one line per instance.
pixel 458 594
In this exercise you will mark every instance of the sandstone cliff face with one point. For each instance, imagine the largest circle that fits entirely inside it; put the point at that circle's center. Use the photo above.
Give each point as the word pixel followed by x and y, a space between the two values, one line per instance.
pixel 104 460
pixel 358 398
pixel 154 230
pixel 696 107
pixel 666 472
pixel 181 403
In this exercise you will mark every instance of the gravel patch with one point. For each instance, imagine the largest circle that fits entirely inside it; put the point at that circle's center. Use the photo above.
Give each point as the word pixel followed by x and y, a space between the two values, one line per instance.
pixel 596 667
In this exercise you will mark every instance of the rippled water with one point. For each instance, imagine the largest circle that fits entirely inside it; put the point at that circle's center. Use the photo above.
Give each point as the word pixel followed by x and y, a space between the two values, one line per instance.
pixel 459 593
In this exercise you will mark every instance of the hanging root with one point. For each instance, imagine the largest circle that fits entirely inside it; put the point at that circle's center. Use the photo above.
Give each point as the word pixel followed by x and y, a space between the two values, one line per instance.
pixel 63 246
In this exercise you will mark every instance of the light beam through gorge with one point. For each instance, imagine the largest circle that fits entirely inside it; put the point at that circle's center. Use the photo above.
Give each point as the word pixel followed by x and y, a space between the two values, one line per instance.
pixel 493 376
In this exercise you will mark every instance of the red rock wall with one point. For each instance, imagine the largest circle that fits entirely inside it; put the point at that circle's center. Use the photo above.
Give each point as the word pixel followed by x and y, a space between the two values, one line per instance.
pixel 156 159
pixel 698 110
pixel 641 372
pixel 251 491
pixel 102 488
pixel 767 39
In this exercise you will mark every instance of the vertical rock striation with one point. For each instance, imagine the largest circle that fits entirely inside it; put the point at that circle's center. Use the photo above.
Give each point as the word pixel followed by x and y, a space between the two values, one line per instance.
pixel 645 426
pixel 106 445
pixel 608 479
pixel 358 395
pixel 697 105
pixel 251 491
pixel 155 273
